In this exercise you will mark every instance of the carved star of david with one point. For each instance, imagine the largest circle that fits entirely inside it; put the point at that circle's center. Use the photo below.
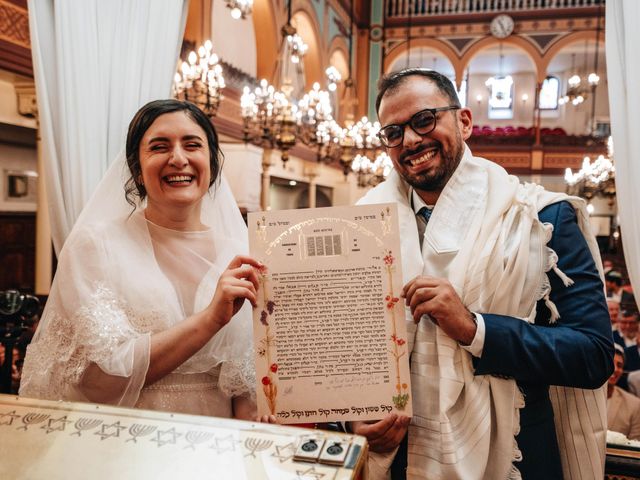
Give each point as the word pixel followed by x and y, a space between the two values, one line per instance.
pixel 56 424
pixel 8 417
pixel 112 430
pixel 224 444
pixel 164 437
pixel 309 473
pixel 284 452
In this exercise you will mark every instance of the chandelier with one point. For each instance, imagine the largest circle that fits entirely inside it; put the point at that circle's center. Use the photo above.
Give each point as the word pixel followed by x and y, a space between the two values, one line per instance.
pixel 593 178
pixel 371 173
pixel 269 117
pixel 577 89
pixel 200 80
pixel 239 8
pixel 343 145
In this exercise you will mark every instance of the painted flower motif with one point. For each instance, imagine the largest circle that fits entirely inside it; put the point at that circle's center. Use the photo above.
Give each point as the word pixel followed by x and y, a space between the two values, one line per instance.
pixel 262 351
pixel 391 301
pixel 388 258
pixel 270 306
pixel 394 338
pixel 404 386
pixel 263 318
pixel 266 380
pixel 274 367
pixel 400 342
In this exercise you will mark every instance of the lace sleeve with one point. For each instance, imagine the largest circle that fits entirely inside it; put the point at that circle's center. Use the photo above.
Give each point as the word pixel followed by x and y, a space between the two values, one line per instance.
pixel 238 377
pixel 85 348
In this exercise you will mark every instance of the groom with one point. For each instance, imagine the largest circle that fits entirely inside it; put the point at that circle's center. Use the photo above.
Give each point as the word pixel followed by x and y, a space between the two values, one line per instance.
pixel 505 305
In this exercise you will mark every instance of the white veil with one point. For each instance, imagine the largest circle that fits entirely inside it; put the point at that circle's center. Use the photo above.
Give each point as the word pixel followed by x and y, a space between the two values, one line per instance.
pixel 109 296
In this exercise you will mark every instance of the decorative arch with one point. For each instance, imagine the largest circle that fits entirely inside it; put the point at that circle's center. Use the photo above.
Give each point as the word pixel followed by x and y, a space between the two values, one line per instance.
pixel 267 38
pixel 564 42
pixel 339 58
pixel 438 45
pixel 304 19
pixel 514 40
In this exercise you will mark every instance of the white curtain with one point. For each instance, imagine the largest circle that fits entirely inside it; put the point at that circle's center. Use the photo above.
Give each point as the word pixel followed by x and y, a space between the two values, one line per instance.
pixel 623 70
pixel 95 63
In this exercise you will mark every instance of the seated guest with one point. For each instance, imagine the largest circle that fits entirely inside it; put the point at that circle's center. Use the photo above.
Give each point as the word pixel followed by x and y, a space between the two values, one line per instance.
pixel 148 305
pixel 613 284
pixel 623 408
pixel 628 327
pixel 614 315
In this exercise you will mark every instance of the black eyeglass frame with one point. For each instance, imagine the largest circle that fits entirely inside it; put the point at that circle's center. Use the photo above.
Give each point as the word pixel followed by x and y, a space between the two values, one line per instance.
pixel 409 122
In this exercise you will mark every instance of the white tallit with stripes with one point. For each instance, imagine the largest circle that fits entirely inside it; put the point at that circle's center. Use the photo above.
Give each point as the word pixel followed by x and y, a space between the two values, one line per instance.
pixel 484 236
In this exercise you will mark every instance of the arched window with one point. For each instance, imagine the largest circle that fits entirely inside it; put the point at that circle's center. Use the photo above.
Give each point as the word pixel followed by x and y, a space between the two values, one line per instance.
pixel 501 99
pixel 549 93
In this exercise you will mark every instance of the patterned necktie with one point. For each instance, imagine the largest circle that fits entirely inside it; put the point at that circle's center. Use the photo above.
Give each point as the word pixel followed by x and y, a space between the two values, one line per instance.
pixel 425 213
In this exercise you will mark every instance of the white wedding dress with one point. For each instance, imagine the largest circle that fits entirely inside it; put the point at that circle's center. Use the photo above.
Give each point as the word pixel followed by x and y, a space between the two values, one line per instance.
pixel 118 282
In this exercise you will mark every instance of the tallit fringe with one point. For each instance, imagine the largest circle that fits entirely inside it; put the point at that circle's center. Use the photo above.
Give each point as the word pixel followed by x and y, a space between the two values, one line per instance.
pixel 555 315
pixel 566 280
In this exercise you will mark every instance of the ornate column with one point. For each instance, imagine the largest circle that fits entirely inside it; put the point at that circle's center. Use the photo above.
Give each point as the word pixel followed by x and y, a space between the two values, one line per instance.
pixel 28 106
pixel 266 179
pixel 311 172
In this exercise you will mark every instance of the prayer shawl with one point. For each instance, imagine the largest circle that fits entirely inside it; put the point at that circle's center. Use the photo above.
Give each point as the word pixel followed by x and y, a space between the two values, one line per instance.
pixel 485 237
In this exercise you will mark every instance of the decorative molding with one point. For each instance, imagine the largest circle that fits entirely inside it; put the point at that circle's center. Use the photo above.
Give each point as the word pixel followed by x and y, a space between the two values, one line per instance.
pixel 512 161
pixel 27 102
pixel 544 40
pixel 460 44
pixel 14 24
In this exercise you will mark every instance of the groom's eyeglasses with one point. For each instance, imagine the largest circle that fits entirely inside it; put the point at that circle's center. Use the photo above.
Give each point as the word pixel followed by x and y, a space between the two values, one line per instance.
pixel 422 123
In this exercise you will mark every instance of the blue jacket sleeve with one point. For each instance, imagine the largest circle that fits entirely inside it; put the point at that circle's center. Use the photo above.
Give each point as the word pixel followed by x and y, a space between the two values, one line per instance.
pixel 575 351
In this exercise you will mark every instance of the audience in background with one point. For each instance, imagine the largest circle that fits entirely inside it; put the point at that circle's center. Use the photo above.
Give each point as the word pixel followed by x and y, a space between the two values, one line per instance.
pixel 628 327
pixel 623 408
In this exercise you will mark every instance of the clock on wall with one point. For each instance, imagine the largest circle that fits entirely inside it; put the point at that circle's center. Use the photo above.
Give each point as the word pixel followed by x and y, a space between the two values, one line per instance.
pixel 502 26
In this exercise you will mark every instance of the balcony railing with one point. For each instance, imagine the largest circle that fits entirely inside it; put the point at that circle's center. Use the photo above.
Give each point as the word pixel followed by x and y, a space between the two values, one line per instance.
pixel 425 8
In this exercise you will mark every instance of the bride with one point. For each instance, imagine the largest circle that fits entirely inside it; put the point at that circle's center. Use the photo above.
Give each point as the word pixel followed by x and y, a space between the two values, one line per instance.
pixel 148 307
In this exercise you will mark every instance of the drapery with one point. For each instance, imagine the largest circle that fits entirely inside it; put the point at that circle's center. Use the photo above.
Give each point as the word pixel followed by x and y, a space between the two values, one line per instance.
pixel 623 70
pixel 95 64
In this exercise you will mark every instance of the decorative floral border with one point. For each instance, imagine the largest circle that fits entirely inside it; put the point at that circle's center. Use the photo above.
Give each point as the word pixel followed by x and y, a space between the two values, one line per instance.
pixel 266 344
pixel 399 345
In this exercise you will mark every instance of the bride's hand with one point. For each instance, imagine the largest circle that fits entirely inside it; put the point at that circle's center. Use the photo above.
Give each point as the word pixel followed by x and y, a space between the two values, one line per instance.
pixel 239 282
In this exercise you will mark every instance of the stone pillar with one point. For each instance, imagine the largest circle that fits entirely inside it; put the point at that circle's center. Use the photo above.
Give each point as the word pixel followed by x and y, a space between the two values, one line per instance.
pixel 27 106
pixel 266 179
pixel 311 172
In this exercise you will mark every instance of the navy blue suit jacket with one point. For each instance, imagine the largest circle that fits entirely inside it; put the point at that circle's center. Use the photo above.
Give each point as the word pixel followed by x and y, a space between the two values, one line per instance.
pixel 631 358
pixel 576 351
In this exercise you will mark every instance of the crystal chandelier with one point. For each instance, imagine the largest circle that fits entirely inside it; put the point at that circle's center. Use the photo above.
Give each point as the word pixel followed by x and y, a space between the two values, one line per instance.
pixel 577 91
pixel 313 109
pixel 333 78
pixel 269 118
pixel 239 8
pixel 594 178
pixel 345 144
pixel 371 173
pixel 200 80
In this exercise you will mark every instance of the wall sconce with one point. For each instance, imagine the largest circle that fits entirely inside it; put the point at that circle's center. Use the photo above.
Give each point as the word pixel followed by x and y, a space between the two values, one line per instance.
pixel 524 97
pixel 479 99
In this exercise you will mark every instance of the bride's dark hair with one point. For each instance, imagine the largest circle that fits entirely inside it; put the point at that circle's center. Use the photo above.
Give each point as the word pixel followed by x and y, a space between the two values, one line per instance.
pixel 139 125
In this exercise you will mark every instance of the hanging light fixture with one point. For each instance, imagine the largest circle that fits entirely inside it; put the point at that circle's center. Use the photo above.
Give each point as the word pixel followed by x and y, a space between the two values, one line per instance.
pixel 594 178
pixel 370 173
pixel 333 78
pixel 498 85
pixel 577 91
pixel 240 9
pixel 270 115
pixel 200 80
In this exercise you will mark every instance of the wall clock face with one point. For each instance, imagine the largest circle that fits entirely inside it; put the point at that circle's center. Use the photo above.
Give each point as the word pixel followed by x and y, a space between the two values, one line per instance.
pixel 502 26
